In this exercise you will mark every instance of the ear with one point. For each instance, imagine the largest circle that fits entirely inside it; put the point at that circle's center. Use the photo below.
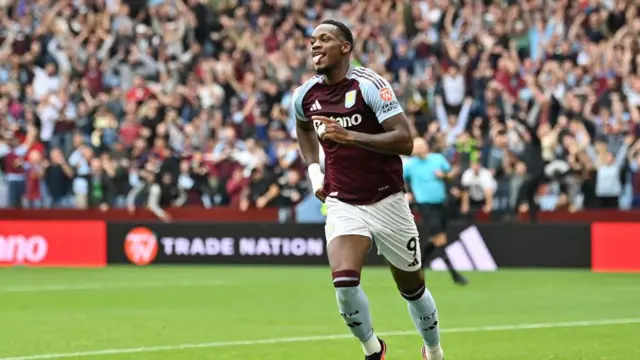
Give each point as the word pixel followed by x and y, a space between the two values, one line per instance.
pixel 346 47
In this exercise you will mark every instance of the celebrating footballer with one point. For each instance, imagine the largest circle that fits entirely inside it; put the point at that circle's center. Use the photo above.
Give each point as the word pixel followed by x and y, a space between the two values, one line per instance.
pixel 353 113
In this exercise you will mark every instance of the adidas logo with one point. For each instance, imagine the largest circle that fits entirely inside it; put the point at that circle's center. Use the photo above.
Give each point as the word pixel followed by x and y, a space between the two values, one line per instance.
pixel 414 263
pixel 470 253
pixel 316 106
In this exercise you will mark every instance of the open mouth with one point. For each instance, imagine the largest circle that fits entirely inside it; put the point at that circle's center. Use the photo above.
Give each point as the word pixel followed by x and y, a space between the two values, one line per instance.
pixel 317 56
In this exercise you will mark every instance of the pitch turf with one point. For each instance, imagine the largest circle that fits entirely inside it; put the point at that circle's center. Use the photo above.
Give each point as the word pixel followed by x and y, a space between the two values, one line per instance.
pixel 151 313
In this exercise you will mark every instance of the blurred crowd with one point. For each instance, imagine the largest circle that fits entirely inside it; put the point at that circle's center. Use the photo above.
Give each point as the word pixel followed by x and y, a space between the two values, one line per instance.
pixel 157 103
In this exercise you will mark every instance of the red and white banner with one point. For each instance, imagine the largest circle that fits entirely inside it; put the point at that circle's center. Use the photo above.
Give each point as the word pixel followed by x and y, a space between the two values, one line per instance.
pixel 53 243
pixel 615 247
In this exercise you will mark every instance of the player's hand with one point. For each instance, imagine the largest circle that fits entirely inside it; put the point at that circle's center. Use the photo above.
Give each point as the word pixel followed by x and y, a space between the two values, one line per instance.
pixel 439 174
pixel 333 130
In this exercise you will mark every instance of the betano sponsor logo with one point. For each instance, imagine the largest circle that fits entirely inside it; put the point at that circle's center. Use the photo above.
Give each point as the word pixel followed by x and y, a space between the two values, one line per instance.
pixel 19 249
pixel 344 121
pixel 470 253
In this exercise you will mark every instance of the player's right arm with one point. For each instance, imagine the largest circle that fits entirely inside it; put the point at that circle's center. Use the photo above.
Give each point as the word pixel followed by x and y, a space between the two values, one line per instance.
pixel 308 144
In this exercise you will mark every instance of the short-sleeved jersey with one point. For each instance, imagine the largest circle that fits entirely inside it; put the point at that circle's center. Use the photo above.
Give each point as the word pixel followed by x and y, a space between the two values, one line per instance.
pixel 360 102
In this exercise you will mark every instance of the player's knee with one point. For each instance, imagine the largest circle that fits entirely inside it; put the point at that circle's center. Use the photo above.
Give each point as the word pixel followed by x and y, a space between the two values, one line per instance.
pixel 414 293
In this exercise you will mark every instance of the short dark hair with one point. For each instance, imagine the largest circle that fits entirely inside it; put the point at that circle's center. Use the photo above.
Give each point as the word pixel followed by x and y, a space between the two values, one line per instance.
pixel 344 29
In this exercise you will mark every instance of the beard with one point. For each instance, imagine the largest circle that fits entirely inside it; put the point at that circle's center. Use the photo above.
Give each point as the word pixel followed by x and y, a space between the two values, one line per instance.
pixel 322 70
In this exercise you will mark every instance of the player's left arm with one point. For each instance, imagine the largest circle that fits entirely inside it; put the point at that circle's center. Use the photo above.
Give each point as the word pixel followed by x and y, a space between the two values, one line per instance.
pixel 379 96
pixel 396 138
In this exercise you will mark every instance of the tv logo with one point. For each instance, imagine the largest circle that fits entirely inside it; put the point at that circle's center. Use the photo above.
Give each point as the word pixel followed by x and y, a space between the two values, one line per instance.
pixel 141 246
pixel 470 253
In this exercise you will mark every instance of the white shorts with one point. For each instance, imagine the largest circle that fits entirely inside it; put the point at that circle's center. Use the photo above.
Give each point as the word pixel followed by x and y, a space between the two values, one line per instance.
pixel 389 223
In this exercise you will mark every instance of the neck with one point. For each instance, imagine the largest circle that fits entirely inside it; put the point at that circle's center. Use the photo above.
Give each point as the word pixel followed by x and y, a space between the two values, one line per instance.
pixel 337 74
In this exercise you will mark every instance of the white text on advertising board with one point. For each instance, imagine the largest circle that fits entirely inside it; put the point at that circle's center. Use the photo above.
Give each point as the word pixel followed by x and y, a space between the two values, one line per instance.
pixel 19 248
pixel 228 246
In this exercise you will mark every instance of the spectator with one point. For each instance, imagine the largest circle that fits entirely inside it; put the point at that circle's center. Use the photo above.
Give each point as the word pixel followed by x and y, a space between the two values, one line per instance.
pixel 454 88
pixel 453 123
pixel 479 187
pixel 531 159
pixel 204 182
pixel 102 188
pixel 609 183
pixel 237 189
pixel 80 160
pixel 500 166
pixel 34 169
pixel 634 166
pixel 117 179
pixel 164 193
pixel 262 189
pixel 292 189
pixel 58 179
pixel 141 181
pixel 14 172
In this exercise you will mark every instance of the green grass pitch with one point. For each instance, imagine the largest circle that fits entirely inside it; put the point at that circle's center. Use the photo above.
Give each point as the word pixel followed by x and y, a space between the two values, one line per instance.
pixel 289 313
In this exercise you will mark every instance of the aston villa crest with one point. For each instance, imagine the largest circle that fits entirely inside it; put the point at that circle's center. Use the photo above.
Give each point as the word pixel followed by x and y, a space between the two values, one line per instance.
pixel 350 99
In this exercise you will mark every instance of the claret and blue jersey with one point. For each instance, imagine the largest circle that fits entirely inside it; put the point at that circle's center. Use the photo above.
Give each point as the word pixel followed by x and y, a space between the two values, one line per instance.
pixel 360 102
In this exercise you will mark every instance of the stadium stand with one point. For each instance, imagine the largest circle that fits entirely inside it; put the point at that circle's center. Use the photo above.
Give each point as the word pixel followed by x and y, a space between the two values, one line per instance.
pixel 117 104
